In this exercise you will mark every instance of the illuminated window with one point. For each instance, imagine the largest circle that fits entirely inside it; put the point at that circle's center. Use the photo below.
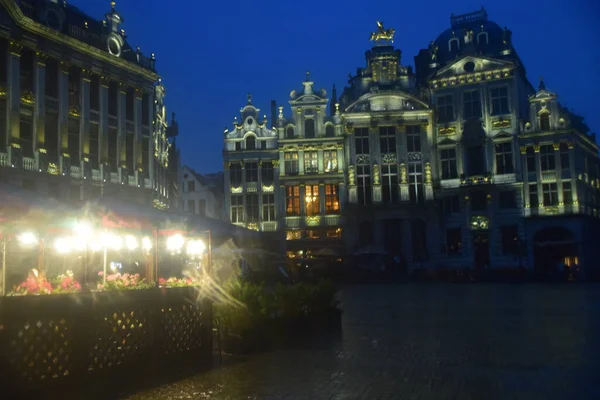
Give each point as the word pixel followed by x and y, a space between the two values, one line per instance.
pixel 361 140
pixel 237 209
pixel 252 172
pixel 445 108
pixel 252 207
pixel 332 199
pixel 292 200
pixel 313 234
pixel 504 158
pixel 387 139
pixel 291 163
pixel 544 122
pixel 335 233
pixel 268 204
pixel 309 128
pixel 472 104
pixel 413 138
pixel 550 191
pixel 311 162
pixel 330 160
pixel 499 100
pixel 293 235
pixel 250 143
pixel 547 158
pixel 448 163
pixel 311 200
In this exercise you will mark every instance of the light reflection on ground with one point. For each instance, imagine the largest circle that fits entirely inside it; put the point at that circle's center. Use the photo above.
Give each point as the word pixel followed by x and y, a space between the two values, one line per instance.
pixel 430 342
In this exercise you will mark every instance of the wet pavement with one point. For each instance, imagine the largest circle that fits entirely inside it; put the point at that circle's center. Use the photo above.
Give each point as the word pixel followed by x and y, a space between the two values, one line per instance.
pixel 429 342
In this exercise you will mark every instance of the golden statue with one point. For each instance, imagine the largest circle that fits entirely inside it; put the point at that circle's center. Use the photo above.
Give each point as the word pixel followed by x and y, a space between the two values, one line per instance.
pixel 382 33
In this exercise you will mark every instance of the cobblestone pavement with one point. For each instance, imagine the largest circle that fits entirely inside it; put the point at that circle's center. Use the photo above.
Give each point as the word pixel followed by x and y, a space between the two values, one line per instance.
pixel 430 342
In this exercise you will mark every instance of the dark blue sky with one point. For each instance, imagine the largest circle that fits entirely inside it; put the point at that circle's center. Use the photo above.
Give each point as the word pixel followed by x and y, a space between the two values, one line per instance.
pixel 210 54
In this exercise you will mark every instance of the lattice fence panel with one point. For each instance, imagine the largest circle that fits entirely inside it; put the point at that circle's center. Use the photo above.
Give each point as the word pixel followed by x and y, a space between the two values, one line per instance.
pixel 121 337
pixel 40 348
pixel 182 328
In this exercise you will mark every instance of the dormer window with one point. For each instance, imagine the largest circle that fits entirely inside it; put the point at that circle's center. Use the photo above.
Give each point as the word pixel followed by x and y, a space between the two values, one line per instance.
pixel 309 128
pixel 454 44
pixel 482 38
pixel 250 143
pixel 329 131
pixel 238 146
pixel 544 122
pixel 289 133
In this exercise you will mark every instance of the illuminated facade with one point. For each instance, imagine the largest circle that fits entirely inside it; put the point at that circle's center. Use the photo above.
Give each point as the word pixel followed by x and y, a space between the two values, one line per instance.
pixel 82 112
pixel 461 163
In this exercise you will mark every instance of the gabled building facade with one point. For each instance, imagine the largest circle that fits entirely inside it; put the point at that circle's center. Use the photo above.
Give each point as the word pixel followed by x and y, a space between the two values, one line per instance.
pixel 202 194
pixel 82 113
pixel 459 164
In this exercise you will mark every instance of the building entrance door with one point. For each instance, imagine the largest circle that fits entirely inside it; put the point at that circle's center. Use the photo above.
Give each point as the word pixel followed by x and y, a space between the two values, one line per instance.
pixel 481 246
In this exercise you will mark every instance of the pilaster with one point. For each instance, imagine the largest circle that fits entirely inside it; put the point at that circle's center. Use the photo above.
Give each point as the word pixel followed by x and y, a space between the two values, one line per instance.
pixel 39 117
pixel 14 91
pixel 404 196
pixel 281 164
pixel 63 116
pixel 322 198
pixel 320 157
pixel 301 162
pixel 538 174
pixel 103 129
pixel 525 175
pixel 340 158
pixel 84 120
pixel 558 169
pixel 121 124
pixel 302 199
pixel 140 169
pixel 150 166
pixel 574 191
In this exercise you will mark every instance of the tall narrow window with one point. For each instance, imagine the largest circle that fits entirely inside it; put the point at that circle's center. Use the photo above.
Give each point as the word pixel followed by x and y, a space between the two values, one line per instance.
pixel 235 175
pixel 250 143
pixel 237 209
pixel 544 122
pixel 565 162
pixel 448 163
pixel 445 108
pixel 504 158
pixel 361 140
pixel 330 161
pixel 472 104
pixel 550 192
pixel 267 173
pixel 387 140
pixel 191 185
pixel 499 100
pixel 291 163
pixel 26 127
pixel 413 139
pixel 311 162
pixel 129 138
pixel 94 145
pixel 289 133
pixel 363 180
pixel 547 158
pixel 311 200
pixel 415 181
pixel 332 199
pixel 389 181
pixel 52 78
pixel 309 128
pixel 476 161
pixel 129 104
pixel 146 153
pixel 268 204
pixel 534 200
pixel 292 199
pixel 112 147
pixel 567 193
pixel 252 207
pixel 531 160
pixel 73 140
pixel 252 172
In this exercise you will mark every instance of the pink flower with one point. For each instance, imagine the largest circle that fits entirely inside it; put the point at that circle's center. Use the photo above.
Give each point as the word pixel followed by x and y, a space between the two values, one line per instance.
pixel 100 273
pixel 100 286
pixel 162 281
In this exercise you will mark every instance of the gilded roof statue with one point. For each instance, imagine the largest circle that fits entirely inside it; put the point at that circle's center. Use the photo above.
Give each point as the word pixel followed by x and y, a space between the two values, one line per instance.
pixel 383 34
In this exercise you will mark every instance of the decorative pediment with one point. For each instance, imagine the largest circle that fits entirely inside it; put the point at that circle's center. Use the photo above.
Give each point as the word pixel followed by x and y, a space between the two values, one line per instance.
pixel 386 101
pixel 502 135
pixel 447 142
pixel 472 65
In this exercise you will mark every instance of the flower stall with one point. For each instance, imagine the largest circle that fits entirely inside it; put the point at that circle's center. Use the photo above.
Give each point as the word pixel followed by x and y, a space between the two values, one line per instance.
pixel 98 291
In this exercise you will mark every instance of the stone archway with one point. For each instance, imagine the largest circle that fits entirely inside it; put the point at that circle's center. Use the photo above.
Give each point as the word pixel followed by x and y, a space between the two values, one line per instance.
pixel 551 246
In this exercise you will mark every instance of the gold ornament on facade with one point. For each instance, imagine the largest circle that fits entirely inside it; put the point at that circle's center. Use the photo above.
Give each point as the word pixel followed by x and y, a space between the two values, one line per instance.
pixel 226 165
pixel 523 149
pixel 74 111
pixel 314 220
pixel 536 148
pixel 27 97
pixel 450 130
pixel 382 34
pixel 15 48
pixel 253 226
pixel 64 66
pixel 556 146
pixel 275 163
pixel 351 176
pixel 3 91
pixel 349 129
pixel 139 93
pixel 53 169
pixel 268 188
pixel 122 86
pixel 427 172
pixel 376 176
pixel 86 74
pixel 500 124
pixel 104 81
pixel 236 189
pixel 571 145
pixel 403 174
pixel 40 58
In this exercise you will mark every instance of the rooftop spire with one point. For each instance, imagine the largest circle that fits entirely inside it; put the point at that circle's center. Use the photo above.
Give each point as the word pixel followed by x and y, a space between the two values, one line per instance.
pixel 308 84
pixel 249 98
pixel 542 85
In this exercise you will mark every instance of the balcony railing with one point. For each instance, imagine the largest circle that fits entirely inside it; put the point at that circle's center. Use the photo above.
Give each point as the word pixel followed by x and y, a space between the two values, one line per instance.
pixel 29 164
pixel 75 172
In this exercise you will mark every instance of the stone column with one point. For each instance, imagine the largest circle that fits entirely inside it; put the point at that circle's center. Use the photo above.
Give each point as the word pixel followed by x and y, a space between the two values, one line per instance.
pixel 342 195
pixel 558 173
pixel 245 220
pixel 227 192
pixel 525 173
pixel 376 175
pixel 322 198
pixel 14 102
pixel 573 175
pixel 428 180
pixel 280 164
pixel 351 146
pixel 282 203
pixel 122 130
pixel 340 157
pixel 63 116
pixel 403 171
pixel 320 162
pixel 103 130
pixel 140 169
pixel 538 174
pixel 302 199
pixel 151 114
pixel 259 194
pixel 301 162
pixel 39 139
pixel 84 121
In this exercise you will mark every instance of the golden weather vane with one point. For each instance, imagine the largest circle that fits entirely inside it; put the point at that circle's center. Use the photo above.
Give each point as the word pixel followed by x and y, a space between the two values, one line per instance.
pixel 382 33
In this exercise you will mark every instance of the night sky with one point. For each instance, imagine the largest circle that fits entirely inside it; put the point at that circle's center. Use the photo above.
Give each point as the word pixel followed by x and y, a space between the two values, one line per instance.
pixel 210 54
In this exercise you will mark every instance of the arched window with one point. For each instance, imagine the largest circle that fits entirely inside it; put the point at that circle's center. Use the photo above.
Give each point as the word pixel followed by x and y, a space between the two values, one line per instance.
pixel 329 131
pixel 482 38
pixel 289 133
pixel 454 44
pixel 250 143
pixel 309 128
pixel 544 122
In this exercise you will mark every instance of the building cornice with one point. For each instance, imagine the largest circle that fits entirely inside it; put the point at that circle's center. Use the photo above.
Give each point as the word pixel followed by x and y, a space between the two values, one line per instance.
pixel 34 27
pixel 469 79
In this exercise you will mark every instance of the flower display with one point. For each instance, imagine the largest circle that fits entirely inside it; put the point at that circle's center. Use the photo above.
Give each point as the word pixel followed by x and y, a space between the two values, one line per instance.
pixel 32 286
pixel 66 284
pixel 177 282
pixel 125 281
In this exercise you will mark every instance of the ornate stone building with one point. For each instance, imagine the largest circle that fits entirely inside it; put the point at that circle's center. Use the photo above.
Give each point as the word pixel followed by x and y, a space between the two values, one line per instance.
pixel 461 163
pixel 82 113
